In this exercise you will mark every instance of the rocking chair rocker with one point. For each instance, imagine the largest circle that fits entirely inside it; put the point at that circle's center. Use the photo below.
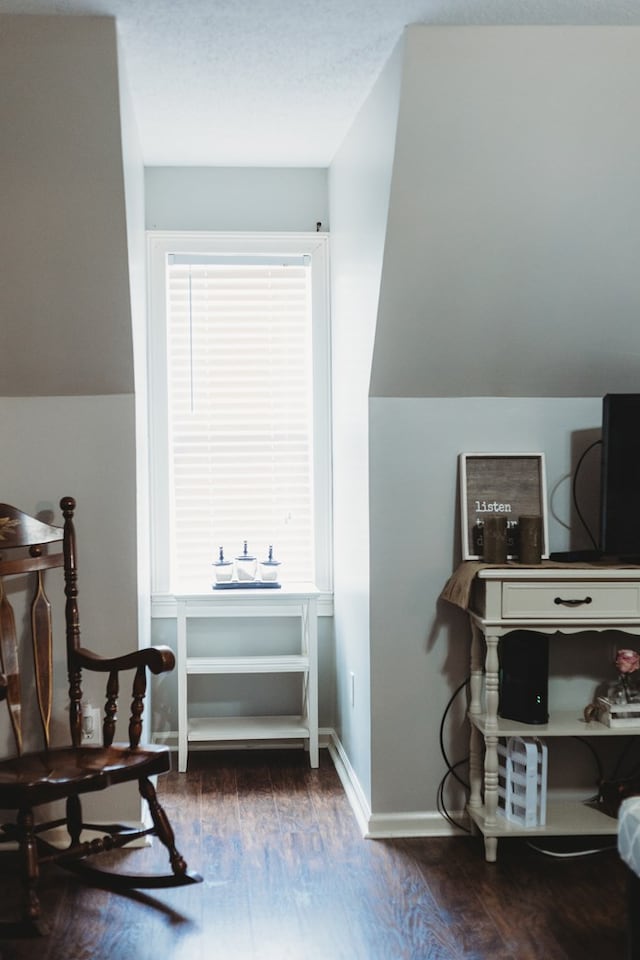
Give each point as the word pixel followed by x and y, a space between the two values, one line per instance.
pixel 31 779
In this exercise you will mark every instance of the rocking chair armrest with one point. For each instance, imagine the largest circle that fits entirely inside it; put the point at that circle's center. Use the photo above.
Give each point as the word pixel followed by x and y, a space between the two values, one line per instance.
pixel 158 659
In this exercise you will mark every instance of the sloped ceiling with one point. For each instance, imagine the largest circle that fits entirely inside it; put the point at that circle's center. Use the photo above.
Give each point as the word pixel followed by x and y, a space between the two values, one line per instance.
pixel 65 297
pixel 510 264
pixel 276 82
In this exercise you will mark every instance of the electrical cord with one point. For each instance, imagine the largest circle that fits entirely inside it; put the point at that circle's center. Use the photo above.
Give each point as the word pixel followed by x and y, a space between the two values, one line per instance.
pixel 594 754
pixel 590 851
pixel 451 767
pixel 441 806
pixel 576 473
pixel 570 854
pixel 573 556
pixel 630 742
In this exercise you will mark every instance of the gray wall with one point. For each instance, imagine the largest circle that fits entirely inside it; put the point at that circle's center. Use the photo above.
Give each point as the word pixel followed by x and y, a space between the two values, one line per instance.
pixel 66 312
pixel 66 365
pixel 239 198
pixel 514 216
pixel 359 184
pixel 420 645
pixel 507 271
pixel 134 192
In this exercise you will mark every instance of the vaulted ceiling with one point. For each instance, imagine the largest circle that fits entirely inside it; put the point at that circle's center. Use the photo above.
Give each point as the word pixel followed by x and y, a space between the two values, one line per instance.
pixel 276 82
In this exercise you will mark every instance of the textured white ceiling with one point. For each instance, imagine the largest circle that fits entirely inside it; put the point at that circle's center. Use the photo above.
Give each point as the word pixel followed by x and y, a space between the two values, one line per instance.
pixel 276 82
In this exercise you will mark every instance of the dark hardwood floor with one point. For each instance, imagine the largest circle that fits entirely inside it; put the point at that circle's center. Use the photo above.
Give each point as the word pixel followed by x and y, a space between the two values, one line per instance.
pixel 287 876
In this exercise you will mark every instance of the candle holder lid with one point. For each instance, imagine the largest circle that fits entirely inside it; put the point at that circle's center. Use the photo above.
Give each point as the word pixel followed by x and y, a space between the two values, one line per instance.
pixel 245 555
pixel 270 561
pixel 221 562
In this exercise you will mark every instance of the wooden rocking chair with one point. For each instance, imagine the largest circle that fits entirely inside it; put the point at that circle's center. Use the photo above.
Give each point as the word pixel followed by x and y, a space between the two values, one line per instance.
pixel 30 779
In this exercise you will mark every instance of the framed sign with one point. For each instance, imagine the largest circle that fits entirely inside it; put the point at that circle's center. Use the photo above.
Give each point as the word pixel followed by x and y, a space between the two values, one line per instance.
pixel 507 485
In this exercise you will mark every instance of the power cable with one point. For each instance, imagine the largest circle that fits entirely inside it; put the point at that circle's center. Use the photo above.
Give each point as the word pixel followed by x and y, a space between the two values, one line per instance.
pixel 584 523
pixel 451 767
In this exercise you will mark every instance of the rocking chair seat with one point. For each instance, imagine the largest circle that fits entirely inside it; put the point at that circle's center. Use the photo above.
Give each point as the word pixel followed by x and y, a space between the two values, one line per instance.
pixel 53 774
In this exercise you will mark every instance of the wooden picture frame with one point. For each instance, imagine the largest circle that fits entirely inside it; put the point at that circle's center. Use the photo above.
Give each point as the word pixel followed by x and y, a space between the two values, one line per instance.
pixel 500 484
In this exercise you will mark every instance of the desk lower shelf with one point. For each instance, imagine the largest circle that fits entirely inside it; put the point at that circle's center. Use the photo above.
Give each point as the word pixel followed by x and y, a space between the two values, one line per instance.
pixel 564 818
pixel 562 723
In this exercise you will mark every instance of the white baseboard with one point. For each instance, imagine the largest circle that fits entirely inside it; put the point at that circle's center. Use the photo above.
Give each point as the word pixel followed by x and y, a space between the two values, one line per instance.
pixel 417 824
pixel 380 826
pixel 169 738
pixel 355 794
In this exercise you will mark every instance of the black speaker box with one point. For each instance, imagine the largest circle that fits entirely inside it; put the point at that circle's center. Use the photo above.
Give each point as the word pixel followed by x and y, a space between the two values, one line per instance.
pixel 620 481
pixel 524 677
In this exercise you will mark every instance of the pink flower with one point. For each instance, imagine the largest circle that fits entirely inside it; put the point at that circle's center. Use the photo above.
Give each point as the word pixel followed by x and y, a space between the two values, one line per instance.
pixel 627 661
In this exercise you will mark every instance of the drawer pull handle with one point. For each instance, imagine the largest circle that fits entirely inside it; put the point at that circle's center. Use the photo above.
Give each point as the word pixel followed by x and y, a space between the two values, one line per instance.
pixel 572 603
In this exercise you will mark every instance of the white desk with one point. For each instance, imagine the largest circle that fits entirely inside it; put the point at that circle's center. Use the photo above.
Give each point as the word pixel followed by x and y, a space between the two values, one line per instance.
pixel 298 602
pixel 548 599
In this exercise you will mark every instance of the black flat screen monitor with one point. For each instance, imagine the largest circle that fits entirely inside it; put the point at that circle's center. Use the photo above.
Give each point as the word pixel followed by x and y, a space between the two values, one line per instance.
pixel 620 479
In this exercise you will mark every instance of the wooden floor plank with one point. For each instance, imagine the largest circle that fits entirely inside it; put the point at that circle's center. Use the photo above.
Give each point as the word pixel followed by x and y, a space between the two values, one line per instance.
pixel 287 876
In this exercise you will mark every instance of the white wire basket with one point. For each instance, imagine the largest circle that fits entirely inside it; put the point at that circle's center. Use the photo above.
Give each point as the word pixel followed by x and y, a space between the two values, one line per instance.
pixel 522 781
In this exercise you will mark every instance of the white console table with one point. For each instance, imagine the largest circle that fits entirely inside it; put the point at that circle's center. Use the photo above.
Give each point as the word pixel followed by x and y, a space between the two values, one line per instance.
pixel 551 599
pixel 301 602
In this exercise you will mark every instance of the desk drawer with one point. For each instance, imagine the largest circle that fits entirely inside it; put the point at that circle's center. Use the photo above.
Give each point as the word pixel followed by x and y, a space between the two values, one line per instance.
pixel 581 600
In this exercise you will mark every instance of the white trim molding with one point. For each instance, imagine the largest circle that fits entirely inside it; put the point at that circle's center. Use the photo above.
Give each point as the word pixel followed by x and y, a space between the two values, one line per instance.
pixel 160 244
pixel 380 826
pixel 423 823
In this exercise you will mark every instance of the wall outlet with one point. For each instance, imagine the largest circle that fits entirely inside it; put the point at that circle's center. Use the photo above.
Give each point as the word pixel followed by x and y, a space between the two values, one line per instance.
pixel 91 727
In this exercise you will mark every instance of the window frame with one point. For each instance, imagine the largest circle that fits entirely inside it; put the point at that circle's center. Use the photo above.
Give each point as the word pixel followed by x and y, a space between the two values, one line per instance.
pixel 159 245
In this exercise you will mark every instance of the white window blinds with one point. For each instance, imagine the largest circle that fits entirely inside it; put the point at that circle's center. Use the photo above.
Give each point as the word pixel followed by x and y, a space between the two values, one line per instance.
pixel 240 408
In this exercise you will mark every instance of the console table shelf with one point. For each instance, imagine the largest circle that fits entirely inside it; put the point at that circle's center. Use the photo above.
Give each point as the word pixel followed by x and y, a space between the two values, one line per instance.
pixel 565 818
pixel 300 602
pixel 552 599
pixel 563 723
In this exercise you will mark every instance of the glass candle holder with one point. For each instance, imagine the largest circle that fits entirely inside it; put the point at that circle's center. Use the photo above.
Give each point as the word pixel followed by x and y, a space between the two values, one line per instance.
pixel 246 565
pixel 223 569
pixel 269 568
pixel 625 689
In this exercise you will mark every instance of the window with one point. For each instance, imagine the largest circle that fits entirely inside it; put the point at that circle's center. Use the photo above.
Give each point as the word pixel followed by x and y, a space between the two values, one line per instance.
pixel 239 407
